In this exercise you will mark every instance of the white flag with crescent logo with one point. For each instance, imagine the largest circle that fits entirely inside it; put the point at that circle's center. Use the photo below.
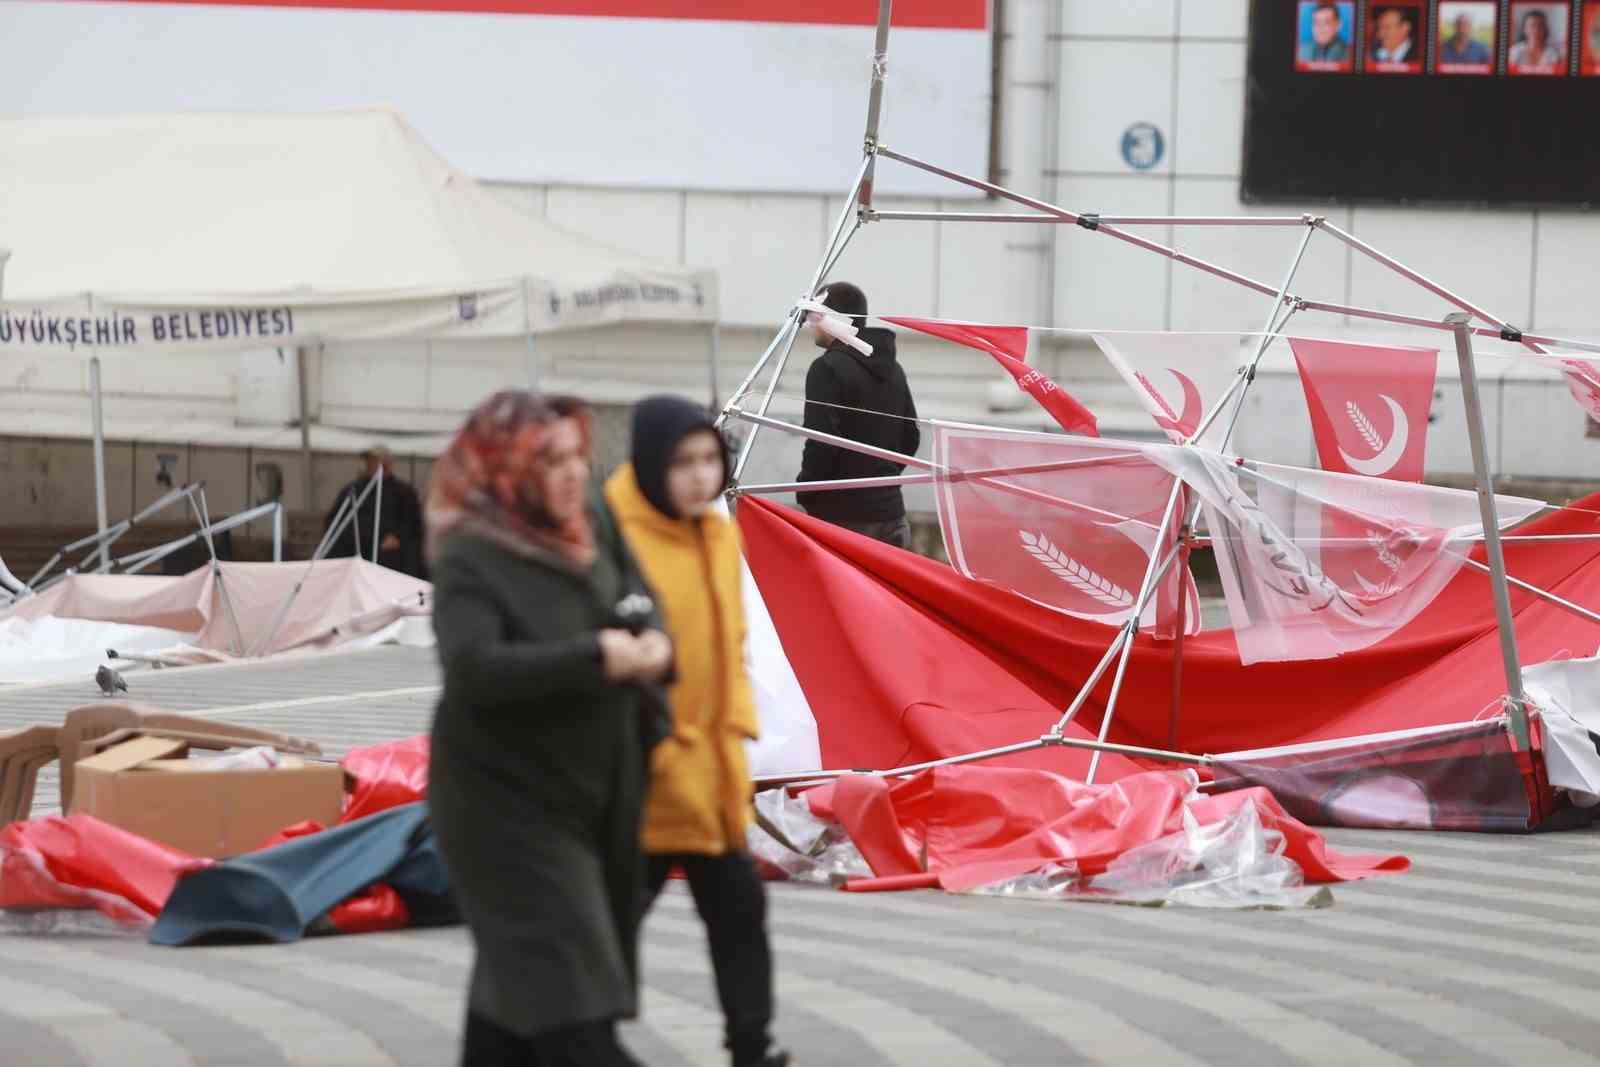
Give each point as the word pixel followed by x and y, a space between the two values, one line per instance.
pixel 1179 377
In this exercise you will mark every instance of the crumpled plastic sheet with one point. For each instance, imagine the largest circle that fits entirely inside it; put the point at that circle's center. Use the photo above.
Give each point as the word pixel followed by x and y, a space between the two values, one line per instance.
pixel 34 902
pixel 1235 863
pixel 386 776
pixel 804 848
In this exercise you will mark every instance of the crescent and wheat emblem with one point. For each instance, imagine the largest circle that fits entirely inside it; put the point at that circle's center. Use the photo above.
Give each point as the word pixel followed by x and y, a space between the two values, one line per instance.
pixel 1388 452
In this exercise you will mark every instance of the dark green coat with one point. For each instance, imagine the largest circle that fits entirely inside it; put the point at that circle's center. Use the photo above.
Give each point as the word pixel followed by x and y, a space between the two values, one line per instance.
pixel 537 780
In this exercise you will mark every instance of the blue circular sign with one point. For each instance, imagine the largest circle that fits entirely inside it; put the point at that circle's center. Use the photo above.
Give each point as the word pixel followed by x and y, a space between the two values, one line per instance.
pixel 1143 146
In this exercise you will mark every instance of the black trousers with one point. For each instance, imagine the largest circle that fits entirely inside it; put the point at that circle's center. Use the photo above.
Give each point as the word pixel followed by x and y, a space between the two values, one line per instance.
pixel 896 532
pixel 595 1044
pixel 732 904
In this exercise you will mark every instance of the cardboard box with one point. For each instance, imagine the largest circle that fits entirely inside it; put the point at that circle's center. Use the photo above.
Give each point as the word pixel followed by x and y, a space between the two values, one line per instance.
pixel 140 786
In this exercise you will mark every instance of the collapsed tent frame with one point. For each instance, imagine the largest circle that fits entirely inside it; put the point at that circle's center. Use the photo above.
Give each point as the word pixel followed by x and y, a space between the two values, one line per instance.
pixel 1285 303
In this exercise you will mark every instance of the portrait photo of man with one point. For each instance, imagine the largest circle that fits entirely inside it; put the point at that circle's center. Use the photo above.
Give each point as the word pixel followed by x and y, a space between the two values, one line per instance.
pixel 1326 33
pixel 1394 38
pixel 1466 37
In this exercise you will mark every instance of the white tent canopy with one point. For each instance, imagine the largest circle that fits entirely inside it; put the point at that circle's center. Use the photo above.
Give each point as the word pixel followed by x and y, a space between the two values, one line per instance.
pixel 224 231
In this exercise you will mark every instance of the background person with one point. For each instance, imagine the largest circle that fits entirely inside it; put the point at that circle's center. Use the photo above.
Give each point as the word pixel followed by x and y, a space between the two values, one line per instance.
pixel 399 526
pixel 540 742
pixel 866 399
pixel 697 814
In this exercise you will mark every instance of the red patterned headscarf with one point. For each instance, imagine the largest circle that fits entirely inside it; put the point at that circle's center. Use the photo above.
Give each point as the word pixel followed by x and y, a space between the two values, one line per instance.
pixel 490 481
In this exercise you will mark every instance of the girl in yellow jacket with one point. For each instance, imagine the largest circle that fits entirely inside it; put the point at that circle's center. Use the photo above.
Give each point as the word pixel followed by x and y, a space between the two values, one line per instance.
pixel 698 806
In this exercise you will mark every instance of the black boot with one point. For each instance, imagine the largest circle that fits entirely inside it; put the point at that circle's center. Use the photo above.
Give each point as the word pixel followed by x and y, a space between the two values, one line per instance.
pixel 755 1050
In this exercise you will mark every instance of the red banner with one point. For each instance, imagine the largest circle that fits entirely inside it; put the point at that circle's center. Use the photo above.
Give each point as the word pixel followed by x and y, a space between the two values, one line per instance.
pixel 922 14
pixel 1369 405
pixel 1009 346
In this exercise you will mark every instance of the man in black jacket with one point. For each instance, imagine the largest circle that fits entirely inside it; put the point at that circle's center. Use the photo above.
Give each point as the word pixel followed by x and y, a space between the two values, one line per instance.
pixel 400 528
pixel 866 399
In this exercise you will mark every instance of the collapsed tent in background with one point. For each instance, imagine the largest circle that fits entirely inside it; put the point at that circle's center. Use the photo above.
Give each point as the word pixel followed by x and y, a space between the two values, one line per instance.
pixel 903 660
pixel 259 608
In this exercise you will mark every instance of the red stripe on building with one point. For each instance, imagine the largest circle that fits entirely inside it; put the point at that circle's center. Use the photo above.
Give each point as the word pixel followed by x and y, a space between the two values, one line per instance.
pixel 927 14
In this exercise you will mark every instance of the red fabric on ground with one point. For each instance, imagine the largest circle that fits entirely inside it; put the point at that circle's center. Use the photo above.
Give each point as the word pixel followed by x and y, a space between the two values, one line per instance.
pixel 386 776
pixel 967 826
pixel 903 659
pixel 84 852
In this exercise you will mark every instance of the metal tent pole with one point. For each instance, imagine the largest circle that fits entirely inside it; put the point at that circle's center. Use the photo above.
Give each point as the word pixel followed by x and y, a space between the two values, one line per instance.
pixel 1238 390
pixel 1272 326
pixel 829 256
pixel 714 346
pixel 766 357
pixel 1516 705
pixel 307 497
pixel 1175 708
pixel 1087 220
pixel 97 413
pixel 203 513
pixel 880 70
pixel 377 511
pixel 1147 589
pixel 1104 220
pixel 1427 283
pixel 342 518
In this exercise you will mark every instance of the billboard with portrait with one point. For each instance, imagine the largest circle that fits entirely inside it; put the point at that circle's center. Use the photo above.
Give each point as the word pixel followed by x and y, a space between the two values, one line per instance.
pixel 1450 102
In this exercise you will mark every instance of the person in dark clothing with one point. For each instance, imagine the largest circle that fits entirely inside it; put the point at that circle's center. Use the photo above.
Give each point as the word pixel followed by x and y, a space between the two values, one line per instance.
pixel 399 527
pixel 866 399
pixel 698 813
pixel 553 654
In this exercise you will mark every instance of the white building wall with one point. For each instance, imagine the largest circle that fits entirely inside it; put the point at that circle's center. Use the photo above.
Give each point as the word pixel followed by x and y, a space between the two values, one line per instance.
pixel 1077 74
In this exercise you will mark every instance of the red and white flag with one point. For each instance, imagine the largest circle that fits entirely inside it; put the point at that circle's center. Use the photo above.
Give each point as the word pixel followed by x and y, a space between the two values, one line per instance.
pixel 1316 564
pixel 1177 377
pixel 1582 374
pixel 1068 523
pixel 1009 346
pixel 1369 405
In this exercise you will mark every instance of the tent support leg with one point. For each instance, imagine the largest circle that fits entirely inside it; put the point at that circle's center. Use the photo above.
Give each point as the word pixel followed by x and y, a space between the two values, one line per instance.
pixel 97 410
pixel 713 353
pixel 1154 574
pixel 829 256
pixel 880 70
pixel 1516 704
pixel 342 518
pixel 1177 642
pixel 307 497
pixel 203 514
pixel 1543 594
pixel 377 512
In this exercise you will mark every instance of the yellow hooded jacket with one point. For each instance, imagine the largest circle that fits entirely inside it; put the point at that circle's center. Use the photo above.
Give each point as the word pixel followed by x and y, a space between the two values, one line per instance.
pixel 699 793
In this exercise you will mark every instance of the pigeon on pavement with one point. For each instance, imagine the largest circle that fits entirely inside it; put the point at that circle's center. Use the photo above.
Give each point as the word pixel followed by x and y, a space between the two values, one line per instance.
pixel 109 681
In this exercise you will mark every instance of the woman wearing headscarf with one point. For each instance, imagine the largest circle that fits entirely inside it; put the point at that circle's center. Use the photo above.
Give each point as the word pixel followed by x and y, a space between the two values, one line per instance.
pixel 542 736
pixel 698 808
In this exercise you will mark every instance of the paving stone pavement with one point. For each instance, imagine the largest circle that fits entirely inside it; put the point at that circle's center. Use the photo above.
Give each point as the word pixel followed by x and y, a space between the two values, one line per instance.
pixel 1488 951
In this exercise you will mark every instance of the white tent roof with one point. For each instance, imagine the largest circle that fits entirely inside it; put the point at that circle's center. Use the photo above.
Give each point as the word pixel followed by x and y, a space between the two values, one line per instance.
pixel 349 208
